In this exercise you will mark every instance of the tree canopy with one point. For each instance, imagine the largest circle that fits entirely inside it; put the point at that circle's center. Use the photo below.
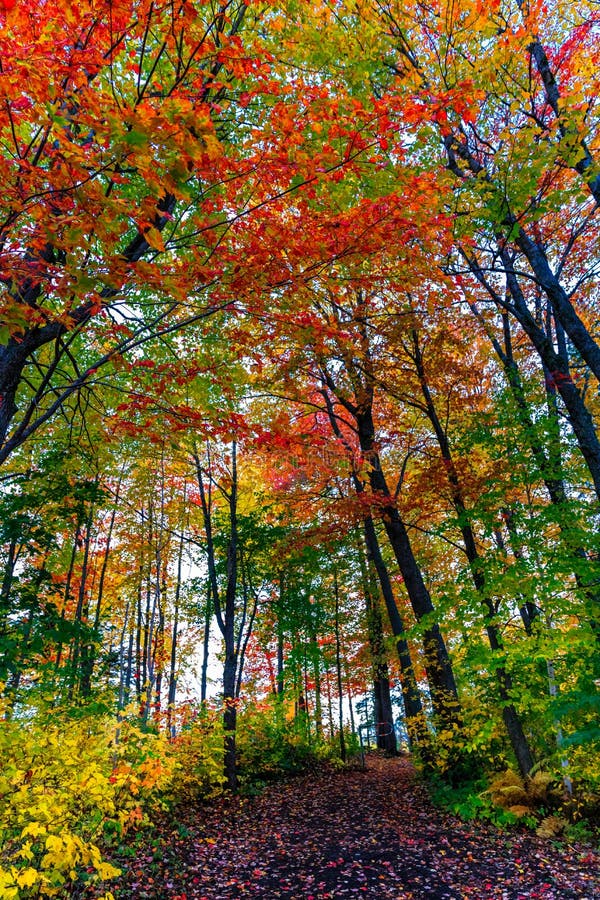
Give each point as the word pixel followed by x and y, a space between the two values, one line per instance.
pixel 299 380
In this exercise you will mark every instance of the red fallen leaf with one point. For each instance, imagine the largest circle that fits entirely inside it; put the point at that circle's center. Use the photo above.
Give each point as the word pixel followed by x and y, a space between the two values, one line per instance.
pixel 305 821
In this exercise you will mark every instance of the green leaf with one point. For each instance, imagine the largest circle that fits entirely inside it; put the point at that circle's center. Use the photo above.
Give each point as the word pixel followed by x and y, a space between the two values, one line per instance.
pixel 136 138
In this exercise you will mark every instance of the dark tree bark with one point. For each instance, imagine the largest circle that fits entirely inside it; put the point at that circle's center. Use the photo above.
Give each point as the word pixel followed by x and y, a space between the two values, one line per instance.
pixel 280 678
pixel 547 456
pixel 384 718
pixel 231 659
pixel 79 646
pixel 175 636
pixel 413 708
pixel 438 665
pixel 510 716
pixel 90 652
pixel 235 624
pixel 208 611
pixel 67 591
pixel 316 661
pixel 554 363
pixel 338 665
pixel 7 582
pixel 415 720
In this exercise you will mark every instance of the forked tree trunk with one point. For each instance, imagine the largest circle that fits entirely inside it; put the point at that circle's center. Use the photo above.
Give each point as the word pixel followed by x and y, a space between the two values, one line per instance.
pixel 384 717
pixel 444 693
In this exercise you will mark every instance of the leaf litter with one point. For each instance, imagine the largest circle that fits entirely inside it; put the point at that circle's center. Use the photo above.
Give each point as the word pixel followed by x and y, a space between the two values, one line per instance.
pixel 349 834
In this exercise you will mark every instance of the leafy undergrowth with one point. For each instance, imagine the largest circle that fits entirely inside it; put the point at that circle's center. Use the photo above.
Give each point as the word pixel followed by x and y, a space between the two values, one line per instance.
pixel 68 787
pixel 539 803
pixel 347 834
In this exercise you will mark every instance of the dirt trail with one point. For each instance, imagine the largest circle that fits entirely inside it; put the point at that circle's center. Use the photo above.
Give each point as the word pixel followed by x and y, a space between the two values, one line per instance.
pixel 356 834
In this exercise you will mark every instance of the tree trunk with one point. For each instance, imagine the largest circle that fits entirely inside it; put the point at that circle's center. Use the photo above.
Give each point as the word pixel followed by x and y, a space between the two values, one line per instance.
pixel 548 460
pixel 174 637
pixel 444 694
pixel 231 657
pixel 280 679
pixel 384 717
pixel 416 725
pixel 338 665
pixel 557 367
pixel 81 609
pixel 316 660
pixel 206 645
pixel 510 716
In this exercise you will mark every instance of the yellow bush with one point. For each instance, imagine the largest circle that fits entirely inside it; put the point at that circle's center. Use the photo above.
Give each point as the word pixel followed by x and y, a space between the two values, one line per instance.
pixel 198 772
pixel 65 783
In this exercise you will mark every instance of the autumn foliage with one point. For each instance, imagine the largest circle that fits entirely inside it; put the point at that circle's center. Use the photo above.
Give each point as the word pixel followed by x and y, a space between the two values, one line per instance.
pixel 299 380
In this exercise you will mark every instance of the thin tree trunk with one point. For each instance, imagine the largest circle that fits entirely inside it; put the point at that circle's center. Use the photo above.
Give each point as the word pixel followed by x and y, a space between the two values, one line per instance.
pixel 329 705
pixel 7 581
pixel 206 645
pixel 316 660
pixel 338 665
pixel 349 693
pixel 130 662
pixel 90 651
pixel 579 416
pixel 510 716
pixel 384 718
pixel 122 666
pixel 67 591
pixel 416 725
pixel 549 462
pixel 280 682
pixel 174 637
pixel 231 657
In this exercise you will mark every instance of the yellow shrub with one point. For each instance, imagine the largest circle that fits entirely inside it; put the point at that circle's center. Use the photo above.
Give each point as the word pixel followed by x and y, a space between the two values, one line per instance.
pixel 65 782
pixel 198 752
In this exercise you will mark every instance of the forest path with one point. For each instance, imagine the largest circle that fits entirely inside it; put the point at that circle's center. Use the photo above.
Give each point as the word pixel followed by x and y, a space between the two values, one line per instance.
pixel 354 834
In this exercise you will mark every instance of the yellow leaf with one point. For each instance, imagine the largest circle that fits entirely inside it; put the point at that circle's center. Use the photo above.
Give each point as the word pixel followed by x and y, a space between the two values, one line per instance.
pixel 154 238
pixel 27 878
pixel 25 852
pixel 105 870
pixel 34 829
pixel 53 842
pixel 7 881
